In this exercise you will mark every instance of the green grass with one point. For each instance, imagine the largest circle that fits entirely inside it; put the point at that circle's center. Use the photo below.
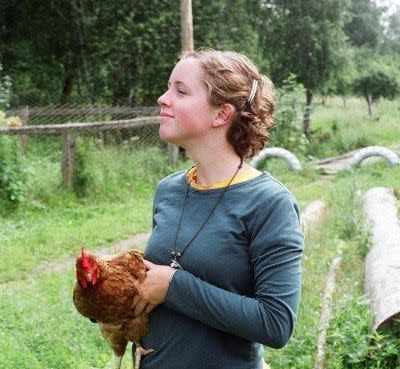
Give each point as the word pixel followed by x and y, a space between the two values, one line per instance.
pixel 40 328
pixel 339 129
pixel 343 220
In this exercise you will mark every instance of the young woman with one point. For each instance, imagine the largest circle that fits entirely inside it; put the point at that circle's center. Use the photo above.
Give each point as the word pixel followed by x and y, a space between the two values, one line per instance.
pixel 224 254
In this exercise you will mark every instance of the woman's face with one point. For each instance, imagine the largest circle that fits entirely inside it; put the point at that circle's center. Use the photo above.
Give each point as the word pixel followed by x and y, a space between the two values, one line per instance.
pixel 186 115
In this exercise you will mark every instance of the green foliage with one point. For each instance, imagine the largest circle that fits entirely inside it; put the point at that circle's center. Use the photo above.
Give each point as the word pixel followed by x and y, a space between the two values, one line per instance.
pixel 305 38
pixel 5 90
pixel 353 345
pixel 113 173
pixel 363 27
pixel 85 150
pixel 288 132
pixel 376 82
pixel 13 170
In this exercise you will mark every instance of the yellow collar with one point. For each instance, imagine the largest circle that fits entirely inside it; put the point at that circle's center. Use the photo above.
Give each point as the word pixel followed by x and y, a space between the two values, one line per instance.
pixel 192 177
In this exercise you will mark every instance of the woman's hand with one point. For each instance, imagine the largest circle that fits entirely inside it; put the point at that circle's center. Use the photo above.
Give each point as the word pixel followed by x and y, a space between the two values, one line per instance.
pixel 154 288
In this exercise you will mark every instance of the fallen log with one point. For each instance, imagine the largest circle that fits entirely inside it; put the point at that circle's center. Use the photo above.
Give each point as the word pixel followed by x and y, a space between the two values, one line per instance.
pixel 382 264
pixel 312 216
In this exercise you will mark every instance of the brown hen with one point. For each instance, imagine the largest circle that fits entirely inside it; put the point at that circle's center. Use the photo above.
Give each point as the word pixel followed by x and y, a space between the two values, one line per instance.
pixel 105 293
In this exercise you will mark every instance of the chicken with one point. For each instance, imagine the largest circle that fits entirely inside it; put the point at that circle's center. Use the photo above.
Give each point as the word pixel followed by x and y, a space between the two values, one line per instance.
pixel 105 292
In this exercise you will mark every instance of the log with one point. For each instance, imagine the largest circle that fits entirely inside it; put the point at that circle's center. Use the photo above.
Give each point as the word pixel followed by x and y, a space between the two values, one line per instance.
pixel 312 216
pixel 382 264
pixel 326 306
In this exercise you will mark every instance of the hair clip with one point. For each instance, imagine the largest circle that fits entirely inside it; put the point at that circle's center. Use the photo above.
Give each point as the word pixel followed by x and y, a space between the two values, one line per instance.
pixel 253 92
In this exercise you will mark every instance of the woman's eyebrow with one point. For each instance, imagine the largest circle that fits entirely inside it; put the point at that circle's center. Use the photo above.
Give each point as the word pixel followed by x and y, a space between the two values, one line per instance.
pixel 177 83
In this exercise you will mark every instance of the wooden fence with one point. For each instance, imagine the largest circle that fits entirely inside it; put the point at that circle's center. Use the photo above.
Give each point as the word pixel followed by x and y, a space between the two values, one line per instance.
pixel 52 112
pixel 68 132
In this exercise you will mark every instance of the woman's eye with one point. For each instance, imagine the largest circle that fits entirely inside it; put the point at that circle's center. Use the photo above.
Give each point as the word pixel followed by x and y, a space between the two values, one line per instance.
pixel 181 92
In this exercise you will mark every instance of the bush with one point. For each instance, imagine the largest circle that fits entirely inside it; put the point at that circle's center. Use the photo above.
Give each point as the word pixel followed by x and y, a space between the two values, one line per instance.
pixel 288 132
pixel 5 90
pixel 13 171
pixel 353 343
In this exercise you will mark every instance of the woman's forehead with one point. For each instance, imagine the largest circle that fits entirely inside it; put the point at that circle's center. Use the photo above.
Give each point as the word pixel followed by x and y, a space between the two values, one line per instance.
pixel 187 71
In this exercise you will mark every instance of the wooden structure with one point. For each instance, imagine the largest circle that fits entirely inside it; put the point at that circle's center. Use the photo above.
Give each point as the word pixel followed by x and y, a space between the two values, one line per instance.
pixel 68 131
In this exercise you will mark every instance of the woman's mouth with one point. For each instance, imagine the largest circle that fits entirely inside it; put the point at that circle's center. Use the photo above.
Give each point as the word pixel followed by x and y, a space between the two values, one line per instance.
pixel 165 116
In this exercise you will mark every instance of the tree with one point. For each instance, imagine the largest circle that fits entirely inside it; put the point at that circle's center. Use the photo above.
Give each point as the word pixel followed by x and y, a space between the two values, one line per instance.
pixel 305 38
pixel 363 27
pixel 377 81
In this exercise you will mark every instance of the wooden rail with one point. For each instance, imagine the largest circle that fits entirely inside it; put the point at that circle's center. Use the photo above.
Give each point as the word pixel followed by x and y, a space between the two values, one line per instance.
pixel 70 111
pixel 79 126
pixel 68 131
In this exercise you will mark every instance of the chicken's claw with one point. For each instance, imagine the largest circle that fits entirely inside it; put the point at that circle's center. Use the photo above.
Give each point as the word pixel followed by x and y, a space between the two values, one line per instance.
pixel 139 352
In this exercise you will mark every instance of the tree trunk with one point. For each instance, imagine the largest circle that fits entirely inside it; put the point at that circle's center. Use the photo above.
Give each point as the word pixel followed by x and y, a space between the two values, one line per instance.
pixel 80 31
pixel 307 114
pixel 344 101
pixel 369 103
pixel 70 72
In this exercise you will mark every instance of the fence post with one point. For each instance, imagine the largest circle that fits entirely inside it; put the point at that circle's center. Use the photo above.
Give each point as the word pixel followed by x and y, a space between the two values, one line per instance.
pixel 23 115
pixel 68 160
pixel 173 152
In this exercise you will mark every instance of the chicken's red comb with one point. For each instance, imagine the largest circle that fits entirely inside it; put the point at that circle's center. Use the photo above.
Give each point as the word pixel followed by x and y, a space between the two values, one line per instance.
pixel 84 257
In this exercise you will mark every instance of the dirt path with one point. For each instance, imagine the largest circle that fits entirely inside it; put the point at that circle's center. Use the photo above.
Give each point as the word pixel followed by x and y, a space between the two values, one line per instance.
pixel 137 241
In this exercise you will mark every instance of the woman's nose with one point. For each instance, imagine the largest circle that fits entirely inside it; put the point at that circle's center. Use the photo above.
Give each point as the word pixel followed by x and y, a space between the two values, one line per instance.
pixel 164 100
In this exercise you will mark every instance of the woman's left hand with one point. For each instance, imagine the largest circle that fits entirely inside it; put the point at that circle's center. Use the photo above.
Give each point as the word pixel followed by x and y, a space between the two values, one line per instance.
pixel 154 288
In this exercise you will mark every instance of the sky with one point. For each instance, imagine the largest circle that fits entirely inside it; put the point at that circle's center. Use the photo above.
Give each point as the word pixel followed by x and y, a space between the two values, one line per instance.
pixel 391 4
pixel 391 7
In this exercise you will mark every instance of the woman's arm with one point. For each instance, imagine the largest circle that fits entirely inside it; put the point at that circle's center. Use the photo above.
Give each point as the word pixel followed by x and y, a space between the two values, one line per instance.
pixel 267 317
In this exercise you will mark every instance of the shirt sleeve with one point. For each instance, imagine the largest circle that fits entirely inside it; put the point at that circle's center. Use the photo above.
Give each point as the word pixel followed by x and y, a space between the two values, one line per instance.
pixel 269 316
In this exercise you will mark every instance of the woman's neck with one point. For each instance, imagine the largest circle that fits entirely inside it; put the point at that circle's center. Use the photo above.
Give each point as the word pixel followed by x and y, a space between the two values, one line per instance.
pixel 215 165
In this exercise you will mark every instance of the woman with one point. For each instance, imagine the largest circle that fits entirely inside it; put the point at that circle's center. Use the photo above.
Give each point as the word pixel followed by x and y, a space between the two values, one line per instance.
pixel 224 255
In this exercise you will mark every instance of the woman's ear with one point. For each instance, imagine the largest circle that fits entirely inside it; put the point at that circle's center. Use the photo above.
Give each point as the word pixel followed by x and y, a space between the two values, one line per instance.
pixel 225 115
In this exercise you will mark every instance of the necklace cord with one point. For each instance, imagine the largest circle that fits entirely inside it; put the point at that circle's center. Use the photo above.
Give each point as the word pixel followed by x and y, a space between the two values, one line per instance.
pixel 176 254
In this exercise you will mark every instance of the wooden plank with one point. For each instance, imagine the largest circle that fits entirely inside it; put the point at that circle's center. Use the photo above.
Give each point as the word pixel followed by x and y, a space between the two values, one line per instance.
pixel 79 126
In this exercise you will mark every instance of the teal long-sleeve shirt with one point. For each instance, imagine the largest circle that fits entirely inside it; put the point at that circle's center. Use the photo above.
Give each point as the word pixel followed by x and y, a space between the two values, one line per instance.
pixel 240 284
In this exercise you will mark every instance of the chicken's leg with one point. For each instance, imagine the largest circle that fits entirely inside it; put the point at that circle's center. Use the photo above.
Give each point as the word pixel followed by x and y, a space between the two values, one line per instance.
pixel 139 352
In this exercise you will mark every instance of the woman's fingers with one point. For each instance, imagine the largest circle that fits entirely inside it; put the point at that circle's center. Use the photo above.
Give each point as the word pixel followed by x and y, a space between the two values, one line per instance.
pixel 149 308
pixel 148 264
pixel 140 307
pixel 135 300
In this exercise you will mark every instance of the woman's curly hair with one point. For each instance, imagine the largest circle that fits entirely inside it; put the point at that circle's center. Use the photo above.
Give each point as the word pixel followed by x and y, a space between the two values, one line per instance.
pixel 229 78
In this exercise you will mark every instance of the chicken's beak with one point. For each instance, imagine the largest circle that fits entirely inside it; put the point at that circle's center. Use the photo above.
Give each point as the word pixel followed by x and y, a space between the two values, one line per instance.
pixel 88 277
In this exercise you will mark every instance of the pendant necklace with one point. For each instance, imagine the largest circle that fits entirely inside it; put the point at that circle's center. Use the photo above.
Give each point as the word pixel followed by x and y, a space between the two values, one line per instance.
pixel 174 253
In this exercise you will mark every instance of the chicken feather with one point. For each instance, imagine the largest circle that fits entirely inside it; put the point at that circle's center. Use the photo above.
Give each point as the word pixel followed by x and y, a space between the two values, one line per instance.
pixel 105 292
